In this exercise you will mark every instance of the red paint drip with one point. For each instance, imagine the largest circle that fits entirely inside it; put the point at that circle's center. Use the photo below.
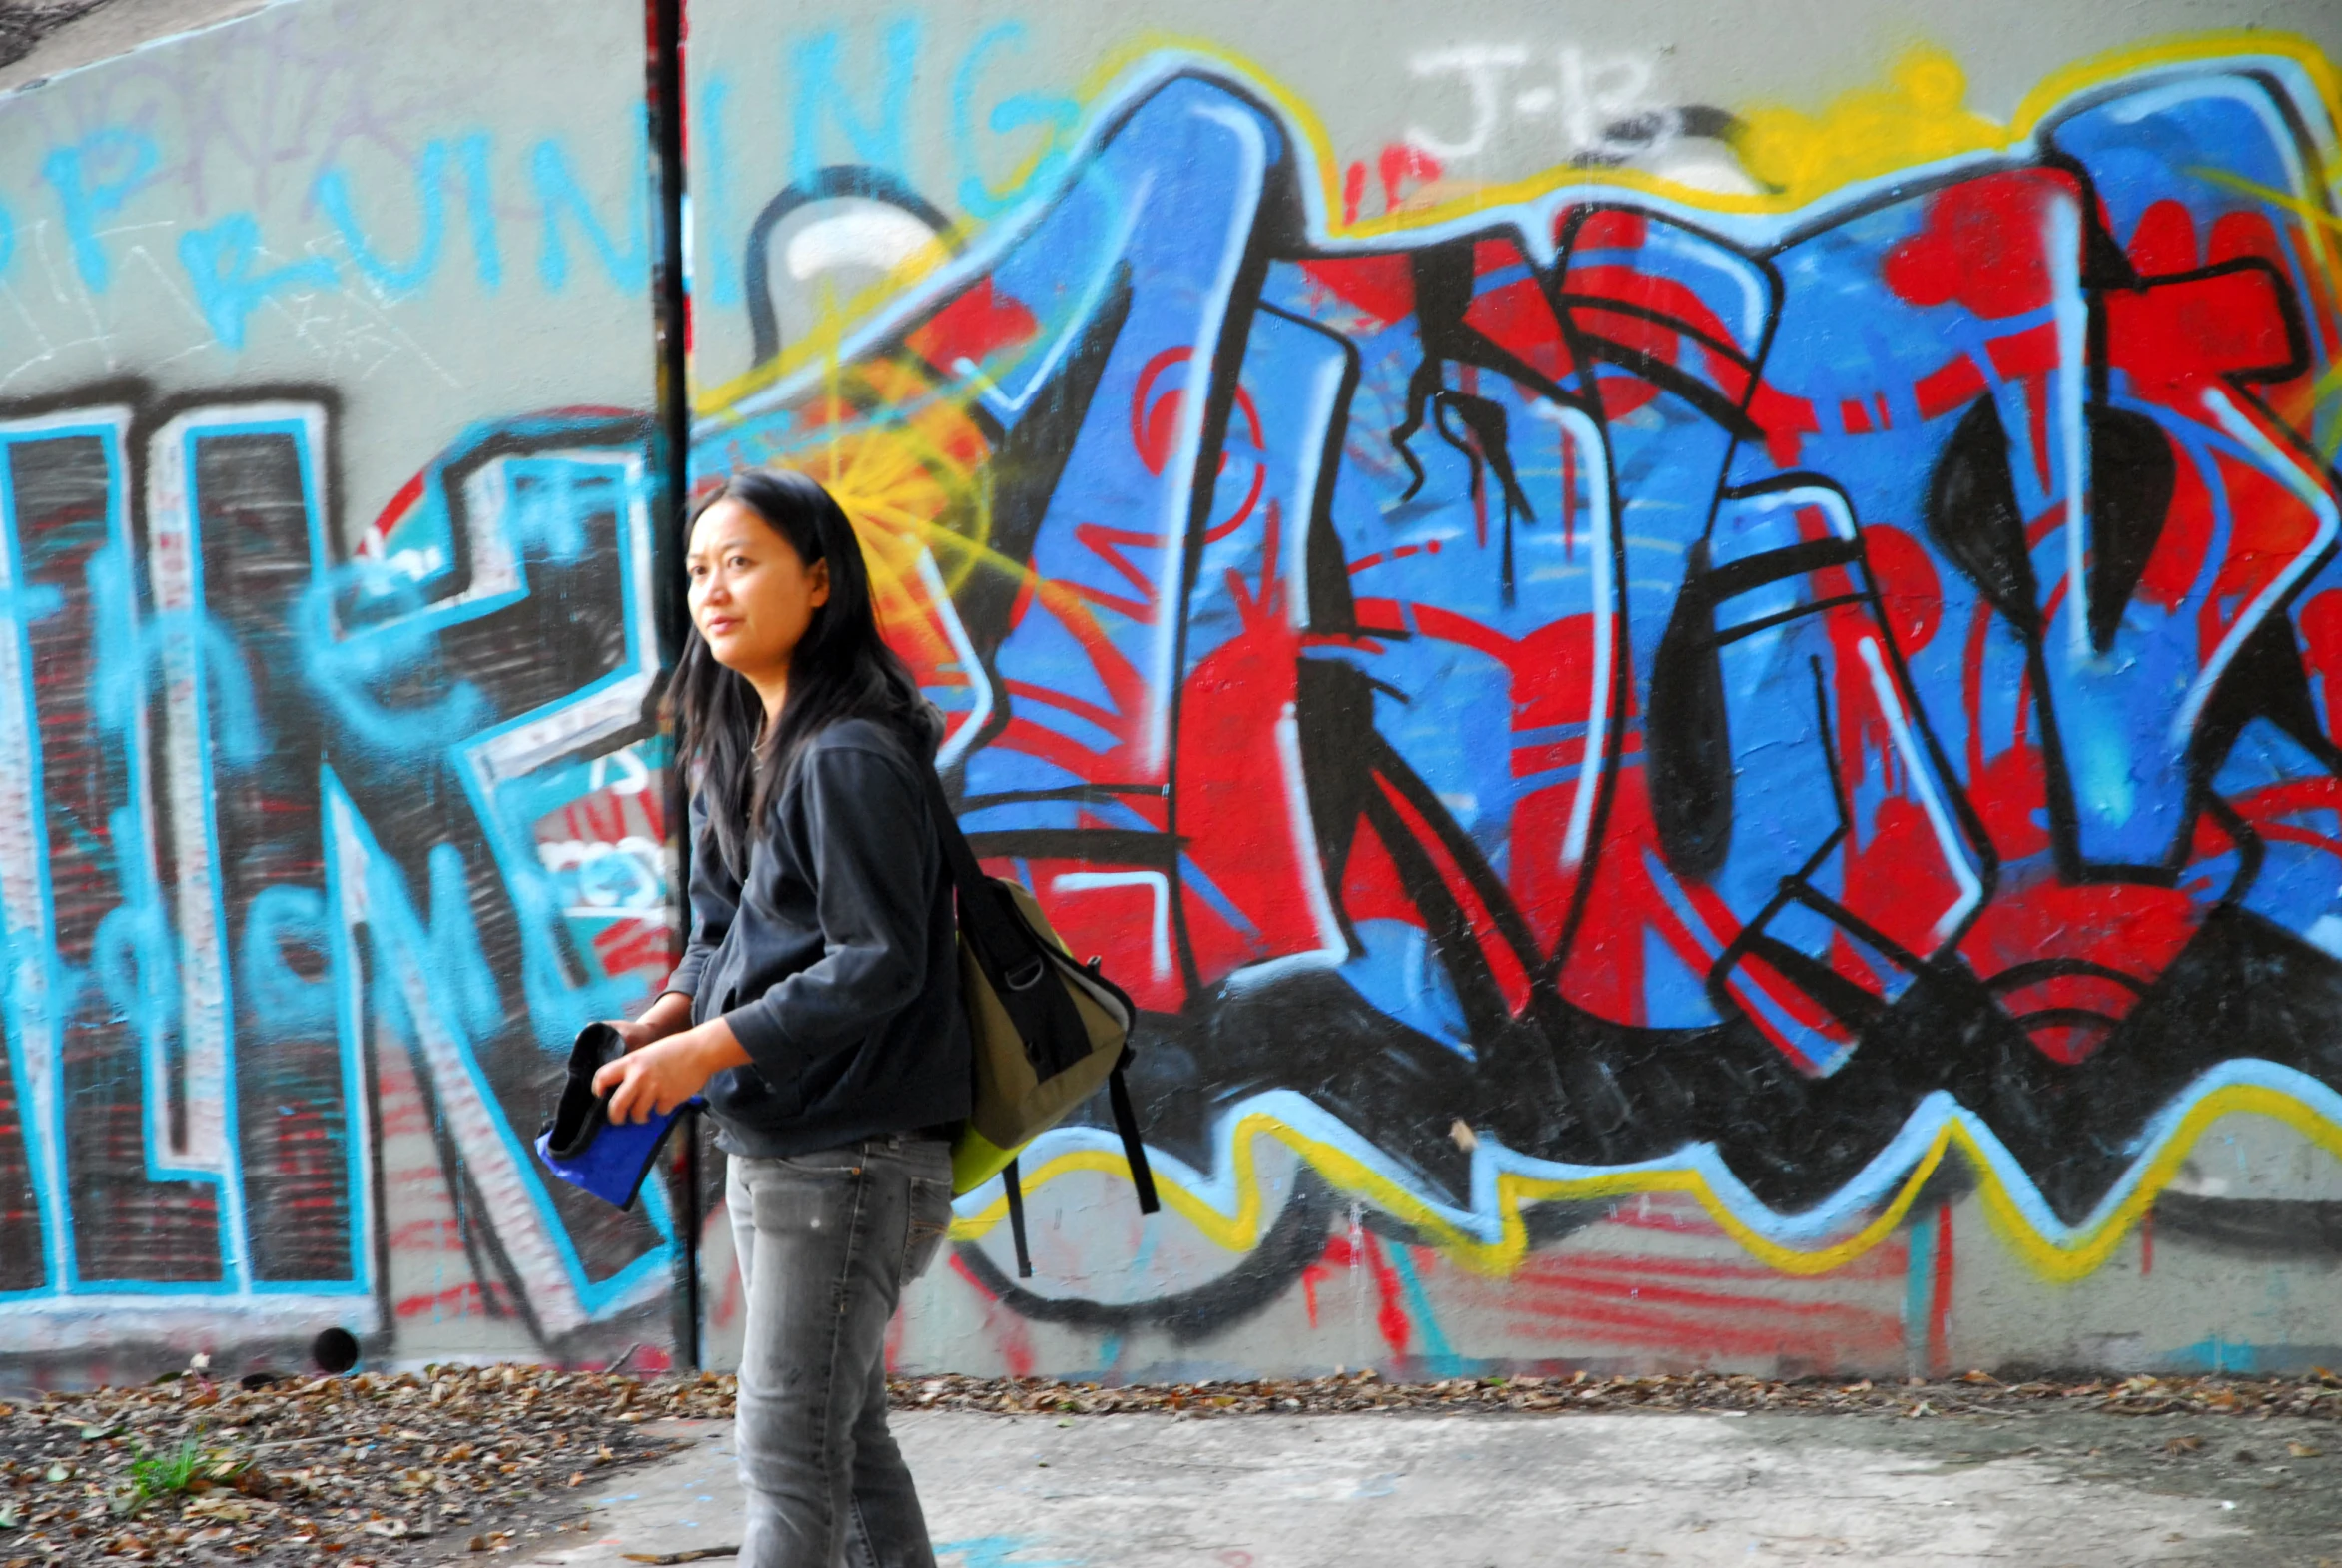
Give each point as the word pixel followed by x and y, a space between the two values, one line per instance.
pixel 1391 1318
pixel 1015 1342
pixel 1939 1297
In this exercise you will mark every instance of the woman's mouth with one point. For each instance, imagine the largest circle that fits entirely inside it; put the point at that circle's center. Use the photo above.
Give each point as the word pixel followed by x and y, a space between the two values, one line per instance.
pixel 717 626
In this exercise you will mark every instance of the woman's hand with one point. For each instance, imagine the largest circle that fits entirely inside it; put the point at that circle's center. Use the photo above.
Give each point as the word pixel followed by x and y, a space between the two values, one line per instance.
pixel 670 1014
pixel 654 1078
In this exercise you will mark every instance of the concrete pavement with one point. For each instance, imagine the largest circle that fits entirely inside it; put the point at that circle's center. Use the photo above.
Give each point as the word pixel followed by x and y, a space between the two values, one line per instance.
pixel 1481 1491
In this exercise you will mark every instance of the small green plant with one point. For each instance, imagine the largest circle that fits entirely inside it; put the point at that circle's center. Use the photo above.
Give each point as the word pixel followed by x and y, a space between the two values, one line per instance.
pixel 190 1467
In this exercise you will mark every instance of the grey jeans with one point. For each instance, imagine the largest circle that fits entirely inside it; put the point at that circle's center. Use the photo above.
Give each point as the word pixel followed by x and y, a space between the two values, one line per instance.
pixel 825 1243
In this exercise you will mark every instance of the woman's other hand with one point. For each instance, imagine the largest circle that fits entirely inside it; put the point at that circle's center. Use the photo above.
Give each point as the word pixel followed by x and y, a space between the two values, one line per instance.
pixel 670 1014
pixel 655 1076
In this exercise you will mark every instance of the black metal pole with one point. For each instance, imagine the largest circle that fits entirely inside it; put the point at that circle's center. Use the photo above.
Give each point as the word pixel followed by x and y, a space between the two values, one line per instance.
pixel 673 448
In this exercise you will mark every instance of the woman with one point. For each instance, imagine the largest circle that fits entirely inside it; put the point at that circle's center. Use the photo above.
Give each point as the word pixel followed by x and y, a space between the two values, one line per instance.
pixel 817 1005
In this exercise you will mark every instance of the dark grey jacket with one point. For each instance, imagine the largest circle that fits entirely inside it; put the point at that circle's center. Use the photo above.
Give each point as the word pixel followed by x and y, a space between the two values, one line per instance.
pixel 835 964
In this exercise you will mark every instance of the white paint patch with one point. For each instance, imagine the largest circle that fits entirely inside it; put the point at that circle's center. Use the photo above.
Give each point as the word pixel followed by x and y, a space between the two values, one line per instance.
pixel 1575 110
pixel 1158 951
pixel 872 235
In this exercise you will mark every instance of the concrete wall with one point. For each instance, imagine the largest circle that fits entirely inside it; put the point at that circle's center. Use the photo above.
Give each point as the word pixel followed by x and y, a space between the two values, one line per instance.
pixel 325 368
pixel 1684 657
pixel 1685 663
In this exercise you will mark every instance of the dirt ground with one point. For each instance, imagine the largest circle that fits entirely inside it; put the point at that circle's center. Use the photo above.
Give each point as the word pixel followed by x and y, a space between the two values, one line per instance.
pixel 455 1462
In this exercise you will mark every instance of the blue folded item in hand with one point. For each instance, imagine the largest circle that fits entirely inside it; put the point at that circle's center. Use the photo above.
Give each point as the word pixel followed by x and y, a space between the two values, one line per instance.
pixel 582 1145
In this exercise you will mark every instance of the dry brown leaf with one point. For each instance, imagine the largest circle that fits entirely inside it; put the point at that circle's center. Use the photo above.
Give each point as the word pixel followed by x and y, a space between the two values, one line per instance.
pixel 225 1506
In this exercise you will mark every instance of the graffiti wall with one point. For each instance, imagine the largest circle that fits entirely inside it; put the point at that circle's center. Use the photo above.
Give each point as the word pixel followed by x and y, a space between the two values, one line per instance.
pixel 1693 689
pixel 1689 673
pixel 330 804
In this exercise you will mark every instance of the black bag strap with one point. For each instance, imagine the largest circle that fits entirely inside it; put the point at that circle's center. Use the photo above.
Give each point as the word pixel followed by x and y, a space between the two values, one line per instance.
pixel 995 933
pixel 1134 1146
pixel 1009 953
pixel 1014 1187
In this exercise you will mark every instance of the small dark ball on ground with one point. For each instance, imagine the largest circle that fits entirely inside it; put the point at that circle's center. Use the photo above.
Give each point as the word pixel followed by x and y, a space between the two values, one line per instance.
pixel 335 1350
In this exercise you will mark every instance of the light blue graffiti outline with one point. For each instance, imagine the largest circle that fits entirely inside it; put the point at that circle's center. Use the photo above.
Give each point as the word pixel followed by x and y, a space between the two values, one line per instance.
pixel 559 1007
pixel 336 668
pixel 506 823
pixel 279 997
pixel 44 1163
pixel 391 906
pixel 1000 1551
pixel 464 750
pixel 296 431
pixel 113 609
pixel 349 1005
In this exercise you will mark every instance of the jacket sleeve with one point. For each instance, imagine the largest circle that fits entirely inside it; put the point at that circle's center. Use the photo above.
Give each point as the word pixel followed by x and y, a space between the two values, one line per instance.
pixel 874 859
pixel 715 899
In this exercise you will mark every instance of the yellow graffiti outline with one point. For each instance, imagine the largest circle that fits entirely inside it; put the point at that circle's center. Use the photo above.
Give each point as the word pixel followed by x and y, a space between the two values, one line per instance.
pixel 1240 1230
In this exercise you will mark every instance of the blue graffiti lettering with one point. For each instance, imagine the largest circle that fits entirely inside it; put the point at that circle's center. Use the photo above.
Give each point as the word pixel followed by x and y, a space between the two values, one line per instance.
pixel 480 210
pixel 343 669
pixel 283 999
pixel 219 262
pixel 557 190
pixel 714 266
pixel 70 172
pixel 1015 113
pixel 333 195
pixel 876 139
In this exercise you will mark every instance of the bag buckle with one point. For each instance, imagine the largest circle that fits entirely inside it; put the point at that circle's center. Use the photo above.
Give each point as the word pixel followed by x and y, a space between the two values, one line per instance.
pixel 1026 975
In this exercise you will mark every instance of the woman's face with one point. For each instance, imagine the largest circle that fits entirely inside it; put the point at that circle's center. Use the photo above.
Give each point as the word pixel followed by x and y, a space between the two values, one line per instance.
pixel 752 595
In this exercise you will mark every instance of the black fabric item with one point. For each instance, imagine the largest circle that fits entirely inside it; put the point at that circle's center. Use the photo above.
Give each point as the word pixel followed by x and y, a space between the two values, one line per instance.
pixel 1014 1185
pixel 581 1113
pixel 583 1146
pixel 1117 1091
pixel 834 959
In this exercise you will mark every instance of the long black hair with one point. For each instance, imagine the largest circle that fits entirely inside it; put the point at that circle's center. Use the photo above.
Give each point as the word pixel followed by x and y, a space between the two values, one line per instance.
pixel 842 669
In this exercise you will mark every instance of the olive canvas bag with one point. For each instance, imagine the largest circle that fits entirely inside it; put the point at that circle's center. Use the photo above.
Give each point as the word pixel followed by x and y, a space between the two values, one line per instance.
pixel 1047 1031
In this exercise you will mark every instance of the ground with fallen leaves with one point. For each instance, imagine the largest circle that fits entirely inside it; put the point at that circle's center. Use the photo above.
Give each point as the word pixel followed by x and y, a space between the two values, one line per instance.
pixel 379 1467
pixel 1973 1393
pixel 347 1467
